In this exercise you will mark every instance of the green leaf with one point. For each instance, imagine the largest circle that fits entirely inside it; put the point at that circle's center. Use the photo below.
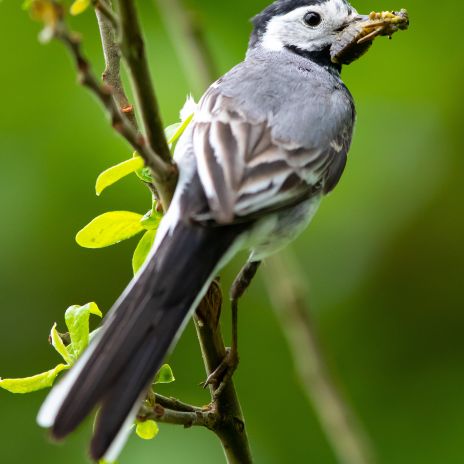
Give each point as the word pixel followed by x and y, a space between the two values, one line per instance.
pixel 34 383
pixel 79 6
pixel 59 346
pixel 171 131
pixel 151 220
pixel 77 320
pixel 109 228
pixel 147 430
pixel 164 375
pixel 142 250
pixel 115 173
pixel 180 130
pixel 144 175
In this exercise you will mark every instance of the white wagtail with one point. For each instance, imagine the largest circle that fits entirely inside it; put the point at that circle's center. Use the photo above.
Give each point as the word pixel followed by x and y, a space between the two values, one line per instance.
pixel 269 139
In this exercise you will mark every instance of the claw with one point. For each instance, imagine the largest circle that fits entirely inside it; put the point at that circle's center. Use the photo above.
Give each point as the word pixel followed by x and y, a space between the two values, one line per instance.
pixel 221 376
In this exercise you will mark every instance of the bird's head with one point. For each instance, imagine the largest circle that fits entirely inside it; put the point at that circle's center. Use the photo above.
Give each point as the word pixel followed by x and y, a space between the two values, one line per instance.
pixel 330 31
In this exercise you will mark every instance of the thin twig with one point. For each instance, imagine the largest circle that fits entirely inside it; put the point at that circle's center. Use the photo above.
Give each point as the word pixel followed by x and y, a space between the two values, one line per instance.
pixel 165 415
pixel 103 7
pixel 342 427
pixel 230 427
pixel 175 404
pixel 163 173
pixel 133 50
pixel 112 73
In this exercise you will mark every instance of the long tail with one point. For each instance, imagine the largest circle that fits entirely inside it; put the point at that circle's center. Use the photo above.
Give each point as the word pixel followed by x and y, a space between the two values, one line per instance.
pixel 119 365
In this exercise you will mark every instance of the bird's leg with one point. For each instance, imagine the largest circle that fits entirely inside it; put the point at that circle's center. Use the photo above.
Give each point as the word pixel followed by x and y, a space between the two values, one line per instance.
pixel 222 374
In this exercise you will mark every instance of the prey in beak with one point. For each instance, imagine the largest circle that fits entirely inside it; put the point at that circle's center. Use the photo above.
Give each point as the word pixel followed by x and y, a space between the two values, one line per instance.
pixel 355 39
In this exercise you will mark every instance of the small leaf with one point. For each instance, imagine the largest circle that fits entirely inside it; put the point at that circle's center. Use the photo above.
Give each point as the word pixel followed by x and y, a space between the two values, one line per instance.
pixel 77 320
pixel 142 250
pixel 180 130
pixel 144 175
pixel 79 6
pixel 60 346
pixel 171 130
pixel 147 430
pixel 165 375
pixel 151 220
pixel 109 228
pixel 34 383
pixel 115 173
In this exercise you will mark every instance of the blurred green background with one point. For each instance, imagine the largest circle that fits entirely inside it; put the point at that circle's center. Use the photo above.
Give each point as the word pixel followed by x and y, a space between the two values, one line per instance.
pixel 383 259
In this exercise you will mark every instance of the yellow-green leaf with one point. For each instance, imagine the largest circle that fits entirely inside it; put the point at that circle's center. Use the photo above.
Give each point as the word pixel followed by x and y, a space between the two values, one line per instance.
pixel 77 321
pixel 165 375
pixel 79 6
pixel 115 173
pixel 34 383
pixel 151 220
pixel 109 228
pixel 142 250
pixel 59 346
pixel 147 430
pixel 179 130
pixel 171 130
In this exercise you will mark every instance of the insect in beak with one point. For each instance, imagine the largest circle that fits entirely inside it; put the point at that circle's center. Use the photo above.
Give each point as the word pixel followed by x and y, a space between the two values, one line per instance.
pixel 357 36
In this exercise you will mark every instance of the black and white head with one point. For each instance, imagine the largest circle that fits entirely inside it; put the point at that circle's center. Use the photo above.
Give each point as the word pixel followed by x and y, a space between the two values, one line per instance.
pixel 308 27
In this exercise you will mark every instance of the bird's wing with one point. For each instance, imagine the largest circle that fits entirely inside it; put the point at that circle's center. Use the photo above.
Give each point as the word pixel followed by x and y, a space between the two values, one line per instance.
pixel 245 170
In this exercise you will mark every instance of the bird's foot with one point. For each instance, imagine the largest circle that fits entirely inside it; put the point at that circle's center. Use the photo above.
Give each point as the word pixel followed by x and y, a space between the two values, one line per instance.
pixel 220 377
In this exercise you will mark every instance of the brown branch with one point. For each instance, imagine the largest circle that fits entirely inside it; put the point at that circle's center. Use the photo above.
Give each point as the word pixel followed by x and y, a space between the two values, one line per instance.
pixel 338 420
pixel 104 9
pixel 175 404
pixel 112 73
pixel 230 426
pixel 159 413
pixel 133 50
pixel 164 174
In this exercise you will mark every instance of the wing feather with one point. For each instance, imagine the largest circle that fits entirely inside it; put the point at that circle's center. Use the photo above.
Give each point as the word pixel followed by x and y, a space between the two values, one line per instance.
pixel 244 169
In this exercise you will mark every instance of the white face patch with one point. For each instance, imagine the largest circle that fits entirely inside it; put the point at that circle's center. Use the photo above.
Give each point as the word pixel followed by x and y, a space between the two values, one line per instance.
pixel 291 30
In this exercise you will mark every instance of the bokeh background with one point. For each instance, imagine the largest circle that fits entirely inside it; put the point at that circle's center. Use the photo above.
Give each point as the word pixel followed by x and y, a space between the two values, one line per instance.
pixel 383 259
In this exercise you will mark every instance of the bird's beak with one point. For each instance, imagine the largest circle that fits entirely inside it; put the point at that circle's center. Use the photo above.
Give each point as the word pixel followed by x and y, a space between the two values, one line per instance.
pixel 358 34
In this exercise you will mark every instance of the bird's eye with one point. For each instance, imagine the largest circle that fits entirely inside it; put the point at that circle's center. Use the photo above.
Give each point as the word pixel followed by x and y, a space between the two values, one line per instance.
pixel 312 19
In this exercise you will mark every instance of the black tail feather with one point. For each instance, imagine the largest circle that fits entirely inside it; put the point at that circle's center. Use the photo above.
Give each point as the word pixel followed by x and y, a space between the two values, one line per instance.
pixel 139 331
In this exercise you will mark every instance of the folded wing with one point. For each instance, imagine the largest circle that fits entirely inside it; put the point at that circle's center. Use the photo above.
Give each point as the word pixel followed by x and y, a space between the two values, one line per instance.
pixel 245 170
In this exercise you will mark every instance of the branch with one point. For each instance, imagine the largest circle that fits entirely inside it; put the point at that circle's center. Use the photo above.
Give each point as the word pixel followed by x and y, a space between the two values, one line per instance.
pixel 133 50
pixel 164 174
pixel 112 73
pixel 104 9
pixel 341 425
pixel 230 426
pixel 175 404
pixel 187 419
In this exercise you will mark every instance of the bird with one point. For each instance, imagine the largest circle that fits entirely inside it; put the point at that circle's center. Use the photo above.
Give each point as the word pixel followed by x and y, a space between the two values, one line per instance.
pixel 268 141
